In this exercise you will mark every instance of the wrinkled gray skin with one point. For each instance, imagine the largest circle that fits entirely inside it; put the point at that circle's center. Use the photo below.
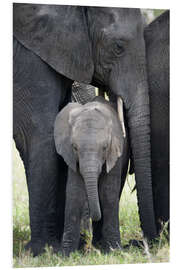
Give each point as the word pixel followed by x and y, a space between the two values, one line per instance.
pixel 53 46
pixel 157 47
pixel 82 93
pixel 97 157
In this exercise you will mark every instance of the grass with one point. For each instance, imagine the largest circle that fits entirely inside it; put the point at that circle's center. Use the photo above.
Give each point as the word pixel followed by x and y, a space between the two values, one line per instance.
pixel 129 228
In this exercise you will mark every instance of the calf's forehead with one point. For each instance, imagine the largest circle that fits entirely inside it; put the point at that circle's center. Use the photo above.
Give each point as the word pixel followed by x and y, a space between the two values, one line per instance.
pixel 91 129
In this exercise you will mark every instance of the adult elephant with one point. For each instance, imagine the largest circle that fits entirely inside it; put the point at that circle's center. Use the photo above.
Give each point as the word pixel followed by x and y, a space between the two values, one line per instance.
pixel 157 47
pixel 53 46
pixel 157 54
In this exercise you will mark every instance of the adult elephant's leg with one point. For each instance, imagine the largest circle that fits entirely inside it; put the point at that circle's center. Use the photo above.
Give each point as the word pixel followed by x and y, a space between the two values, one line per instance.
pixel 159 101
pixel 161 192
pixel 38 94
pixel 109 188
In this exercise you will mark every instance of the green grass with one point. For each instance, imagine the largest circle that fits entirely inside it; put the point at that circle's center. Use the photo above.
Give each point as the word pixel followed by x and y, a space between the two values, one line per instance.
pixel 129 228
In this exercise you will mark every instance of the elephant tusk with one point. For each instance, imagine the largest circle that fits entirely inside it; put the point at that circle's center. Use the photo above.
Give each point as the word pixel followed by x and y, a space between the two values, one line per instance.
pixel 121 115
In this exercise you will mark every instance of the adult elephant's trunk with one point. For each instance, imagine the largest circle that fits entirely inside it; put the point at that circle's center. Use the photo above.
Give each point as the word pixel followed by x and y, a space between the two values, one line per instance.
pixel 91 183
pixel 139 130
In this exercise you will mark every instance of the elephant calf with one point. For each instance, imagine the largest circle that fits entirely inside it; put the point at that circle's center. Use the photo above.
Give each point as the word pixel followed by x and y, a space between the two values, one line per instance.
pixel 90 139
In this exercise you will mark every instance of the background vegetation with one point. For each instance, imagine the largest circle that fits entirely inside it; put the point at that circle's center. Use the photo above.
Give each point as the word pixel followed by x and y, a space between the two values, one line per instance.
pixel 129 225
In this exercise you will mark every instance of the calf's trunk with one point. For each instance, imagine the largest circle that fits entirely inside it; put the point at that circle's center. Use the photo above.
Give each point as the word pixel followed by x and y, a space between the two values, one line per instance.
pixel 91 184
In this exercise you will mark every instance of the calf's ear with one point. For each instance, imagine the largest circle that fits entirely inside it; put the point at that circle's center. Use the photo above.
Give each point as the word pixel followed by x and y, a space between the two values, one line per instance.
pixel 114 153
pixel 62 135
pixel 116 143
pixel 116 133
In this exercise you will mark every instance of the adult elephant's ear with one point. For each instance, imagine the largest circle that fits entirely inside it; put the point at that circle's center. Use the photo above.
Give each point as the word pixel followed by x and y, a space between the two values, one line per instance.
pixel 59 35
pixel 62 135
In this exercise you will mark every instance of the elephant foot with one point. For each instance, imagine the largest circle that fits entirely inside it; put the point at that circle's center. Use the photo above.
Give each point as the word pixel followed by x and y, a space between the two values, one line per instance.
pixel 66 252
pixel 107 246
pixel 56 246
pixel 35 247
pixel 140 244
